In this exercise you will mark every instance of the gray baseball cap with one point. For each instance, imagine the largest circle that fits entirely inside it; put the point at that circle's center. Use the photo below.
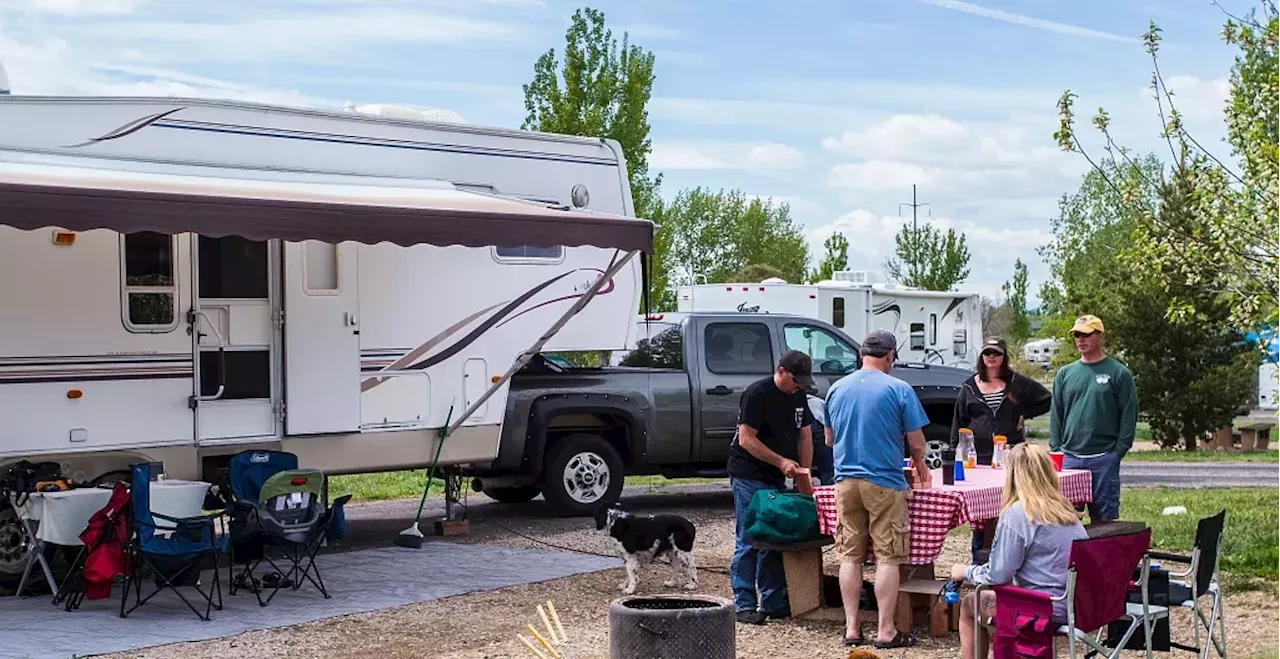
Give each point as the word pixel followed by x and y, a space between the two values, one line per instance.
pixel 880 341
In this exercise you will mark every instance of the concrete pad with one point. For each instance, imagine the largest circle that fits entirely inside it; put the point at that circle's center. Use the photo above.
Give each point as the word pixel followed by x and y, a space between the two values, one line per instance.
pixel 358 581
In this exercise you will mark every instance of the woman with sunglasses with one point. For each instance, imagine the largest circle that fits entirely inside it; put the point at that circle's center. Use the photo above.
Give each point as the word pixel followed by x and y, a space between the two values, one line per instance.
pixel 995 401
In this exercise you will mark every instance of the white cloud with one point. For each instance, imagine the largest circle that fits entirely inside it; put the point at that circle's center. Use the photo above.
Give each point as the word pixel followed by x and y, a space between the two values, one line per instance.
pixel 992 250
pixel 708 154
pixel 1197 99
pixel 771 155
pixel 882 176
pixel 1019 19
pixel 933 138
pixel 72 7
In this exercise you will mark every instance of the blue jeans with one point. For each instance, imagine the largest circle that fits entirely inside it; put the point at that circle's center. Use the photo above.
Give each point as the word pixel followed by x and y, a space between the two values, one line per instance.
pixel 1105 483
pixel 824 468
pixel 752 568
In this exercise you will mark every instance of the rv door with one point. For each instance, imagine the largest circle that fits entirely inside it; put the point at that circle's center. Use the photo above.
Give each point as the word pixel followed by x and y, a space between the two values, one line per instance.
pixel 321 338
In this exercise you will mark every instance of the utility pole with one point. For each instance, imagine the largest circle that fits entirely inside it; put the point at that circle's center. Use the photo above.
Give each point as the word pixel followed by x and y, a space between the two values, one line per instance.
pixel 914 207
pixel 913 267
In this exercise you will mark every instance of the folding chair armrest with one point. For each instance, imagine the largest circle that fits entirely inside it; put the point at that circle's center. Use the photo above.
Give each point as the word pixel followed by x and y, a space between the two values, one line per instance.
pixel 1176 558
pixel 198 519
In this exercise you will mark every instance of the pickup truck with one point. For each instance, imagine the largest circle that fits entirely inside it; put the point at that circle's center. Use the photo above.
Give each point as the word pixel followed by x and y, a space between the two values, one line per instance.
pixel 670 407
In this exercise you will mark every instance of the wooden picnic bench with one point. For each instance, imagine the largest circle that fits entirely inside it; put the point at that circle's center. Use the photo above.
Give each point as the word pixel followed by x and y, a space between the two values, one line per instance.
pixel 814 595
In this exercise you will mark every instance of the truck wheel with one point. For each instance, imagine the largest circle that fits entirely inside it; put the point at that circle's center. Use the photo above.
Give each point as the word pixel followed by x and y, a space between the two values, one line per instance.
pixel 13 548
pixel 581 472
pixel 937 437
pixel 522 494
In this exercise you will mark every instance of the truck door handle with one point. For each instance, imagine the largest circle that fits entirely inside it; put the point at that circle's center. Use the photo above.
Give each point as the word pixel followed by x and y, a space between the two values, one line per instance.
pixel 720 390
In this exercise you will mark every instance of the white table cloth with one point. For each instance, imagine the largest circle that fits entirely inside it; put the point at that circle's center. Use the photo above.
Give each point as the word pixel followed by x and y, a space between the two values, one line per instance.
pixel 64 515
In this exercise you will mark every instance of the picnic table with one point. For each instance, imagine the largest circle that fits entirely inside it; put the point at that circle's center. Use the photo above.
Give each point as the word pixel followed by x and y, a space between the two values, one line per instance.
pixel 932 512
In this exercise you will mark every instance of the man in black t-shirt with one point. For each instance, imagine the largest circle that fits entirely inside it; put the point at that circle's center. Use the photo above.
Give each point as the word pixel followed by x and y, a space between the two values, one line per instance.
pixel 773 443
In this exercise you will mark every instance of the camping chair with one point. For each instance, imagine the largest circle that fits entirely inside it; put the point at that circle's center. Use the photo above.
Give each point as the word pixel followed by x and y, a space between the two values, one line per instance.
pixel 1098 581
pixel 298 532
pixel 1201 578
pixel 293 520
pixel 173 561
pixel 102 557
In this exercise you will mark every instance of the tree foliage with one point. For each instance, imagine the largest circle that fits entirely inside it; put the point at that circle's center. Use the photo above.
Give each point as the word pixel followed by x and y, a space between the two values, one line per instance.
pixel 756 272
pixel 715 235
pixel 1015 298
pixel 929 259
pixel 599 90
pixel 836 259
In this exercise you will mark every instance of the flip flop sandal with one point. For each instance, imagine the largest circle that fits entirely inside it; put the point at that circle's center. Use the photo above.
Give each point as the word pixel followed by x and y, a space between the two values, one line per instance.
pixel 900 640
pixel 851 642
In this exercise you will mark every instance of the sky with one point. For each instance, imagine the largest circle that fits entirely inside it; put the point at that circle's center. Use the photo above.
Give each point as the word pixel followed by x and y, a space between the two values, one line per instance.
pixel 835 107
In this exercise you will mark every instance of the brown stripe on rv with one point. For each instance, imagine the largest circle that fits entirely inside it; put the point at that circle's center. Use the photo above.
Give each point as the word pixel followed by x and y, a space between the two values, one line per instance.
pixel 30 206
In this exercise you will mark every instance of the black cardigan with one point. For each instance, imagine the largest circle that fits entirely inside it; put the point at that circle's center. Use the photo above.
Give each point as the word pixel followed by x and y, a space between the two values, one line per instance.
pixel 1023 398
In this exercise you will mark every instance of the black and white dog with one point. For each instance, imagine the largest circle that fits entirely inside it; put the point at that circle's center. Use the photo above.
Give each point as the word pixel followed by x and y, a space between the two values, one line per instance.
pixel 644 538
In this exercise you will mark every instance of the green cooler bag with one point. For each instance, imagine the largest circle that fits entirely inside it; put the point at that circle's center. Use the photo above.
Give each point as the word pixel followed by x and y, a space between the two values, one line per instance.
pixel 782 517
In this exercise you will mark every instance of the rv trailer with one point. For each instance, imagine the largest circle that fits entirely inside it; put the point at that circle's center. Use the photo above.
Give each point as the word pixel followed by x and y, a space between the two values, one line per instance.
pixel 931 327
pixel 184 279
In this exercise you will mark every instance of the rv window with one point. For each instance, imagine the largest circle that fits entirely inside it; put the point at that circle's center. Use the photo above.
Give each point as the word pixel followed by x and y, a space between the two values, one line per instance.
pixel 917 336
pixel 529 253
pixel 738 348
pixel 233 267
pixel 320 267
pixel 147 265
pixel 837 311
pixel 830 354
pixel 933 329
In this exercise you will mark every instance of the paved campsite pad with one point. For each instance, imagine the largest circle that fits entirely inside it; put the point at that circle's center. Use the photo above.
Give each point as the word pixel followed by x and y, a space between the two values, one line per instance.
pixel 359 581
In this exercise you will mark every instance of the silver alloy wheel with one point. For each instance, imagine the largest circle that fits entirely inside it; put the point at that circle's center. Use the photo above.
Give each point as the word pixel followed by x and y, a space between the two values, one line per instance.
pixel 586 477
pixel 933 453
pixel 13 542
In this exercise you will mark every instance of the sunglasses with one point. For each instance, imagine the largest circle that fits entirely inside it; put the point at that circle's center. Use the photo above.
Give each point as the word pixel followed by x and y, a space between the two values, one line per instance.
pixel 991 353
pixel 1081 335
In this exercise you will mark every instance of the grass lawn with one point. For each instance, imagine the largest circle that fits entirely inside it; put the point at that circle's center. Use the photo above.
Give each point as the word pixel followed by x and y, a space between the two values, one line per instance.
pixel 1203 456
pixel 387 485
pixel 1251 544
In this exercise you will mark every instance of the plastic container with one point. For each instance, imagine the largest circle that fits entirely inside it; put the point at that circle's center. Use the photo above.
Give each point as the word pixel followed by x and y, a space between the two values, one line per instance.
pixel 1001 452
pixel 965 447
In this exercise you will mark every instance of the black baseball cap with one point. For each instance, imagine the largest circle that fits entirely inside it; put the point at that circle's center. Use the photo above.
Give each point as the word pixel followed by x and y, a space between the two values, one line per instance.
pixel 995 343
pixel 879 342
pixel 799 365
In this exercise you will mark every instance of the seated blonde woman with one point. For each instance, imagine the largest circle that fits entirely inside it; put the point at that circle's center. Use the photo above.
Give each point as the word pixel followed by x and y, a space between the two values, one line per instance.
pixel 1032 543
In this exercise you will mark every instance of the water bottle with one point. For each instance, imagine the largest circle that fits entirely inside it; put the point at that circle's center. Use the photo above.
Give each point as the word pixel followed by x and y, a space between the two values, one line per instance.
pixel 951 592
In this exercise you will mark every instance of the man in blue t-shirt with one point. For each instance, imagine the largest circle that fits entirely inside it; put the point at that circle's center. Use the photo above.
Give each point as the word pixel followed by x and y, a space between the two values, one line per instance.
pixel 868 412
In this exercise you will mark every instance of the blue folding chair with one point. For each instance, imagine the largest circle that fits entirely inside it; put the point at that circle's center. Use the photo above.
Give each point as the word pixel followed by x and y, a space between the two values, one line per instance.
pixel 172 550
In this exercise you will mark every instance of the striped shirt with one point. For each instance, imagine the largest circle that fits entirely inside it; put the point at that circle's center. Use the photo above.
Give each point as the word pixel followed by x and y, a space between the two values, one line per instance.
pixel 994 399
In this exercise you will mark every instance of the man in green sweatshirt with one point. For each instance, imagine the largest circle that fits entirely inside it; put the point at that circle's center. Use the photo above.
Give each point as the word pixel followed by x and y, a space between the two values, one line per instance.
pixel 1094 414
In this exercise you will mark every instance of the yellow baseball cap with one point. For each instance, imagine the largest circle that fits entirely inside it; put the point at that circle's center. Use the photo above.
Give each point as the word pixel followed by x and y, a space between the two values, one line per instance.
pixel 1086 324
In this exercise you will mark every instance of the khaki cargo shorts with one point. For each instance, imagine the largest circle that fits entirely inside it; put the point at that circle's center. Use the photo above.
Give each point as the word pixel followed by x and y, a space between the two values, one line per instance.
pixel 867 510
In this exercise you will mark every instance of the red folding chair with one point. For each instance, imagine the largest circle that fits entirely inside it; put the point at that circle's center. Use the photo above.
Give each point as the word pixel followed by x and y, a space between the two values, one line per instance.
pixel 102 558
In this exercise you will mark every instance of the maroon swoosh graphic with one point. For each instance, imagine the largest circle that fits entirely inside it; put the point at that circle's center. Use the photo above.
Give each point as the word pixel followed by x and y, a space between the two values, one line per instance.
pixel 608 287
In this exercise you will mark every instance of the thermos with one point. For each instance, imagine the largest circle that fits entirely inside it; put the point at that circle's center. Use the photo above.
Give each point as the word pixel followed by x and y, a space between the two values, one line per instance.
pixel 949 465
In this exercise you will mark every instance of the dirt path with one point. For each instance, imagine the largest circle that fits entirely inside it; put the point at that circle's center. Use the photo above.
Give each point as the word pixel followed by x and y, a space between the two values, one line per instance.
pixel 483 625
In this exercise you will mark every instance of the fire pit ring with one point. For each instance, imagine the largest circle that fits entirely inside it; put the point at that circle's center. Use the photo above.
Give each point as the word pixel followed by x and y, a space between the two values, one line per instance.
pixel 671 627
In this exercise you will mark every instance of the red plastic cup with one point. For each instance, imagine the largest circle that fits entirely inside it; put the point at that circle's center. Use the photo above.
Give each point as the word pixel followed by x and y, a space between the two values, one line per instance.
pixel 1056 456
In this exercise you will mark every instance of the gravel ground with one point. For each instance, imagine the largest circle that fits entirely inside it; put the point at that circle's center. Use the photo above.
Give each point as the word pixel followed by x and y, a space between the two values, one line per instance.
pixel 483 625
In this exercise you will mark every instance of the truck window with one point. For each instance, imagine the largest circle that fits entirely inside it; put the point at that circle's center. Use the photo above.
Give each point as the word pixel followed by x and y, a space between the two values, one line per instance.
pixel 830 354
pixel 837 311
pixel 738 348
pixel 664 350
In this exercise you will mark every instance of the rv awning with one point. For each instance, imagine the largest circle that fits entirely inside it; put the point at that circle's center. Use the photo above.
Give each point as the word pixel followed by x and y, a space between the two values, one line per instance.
pixel 80 199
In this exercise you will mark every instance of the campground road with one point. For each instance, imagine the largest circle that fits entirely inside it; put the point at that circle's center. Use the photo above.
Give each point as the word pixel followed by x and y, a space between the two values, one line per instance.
pixel 375 524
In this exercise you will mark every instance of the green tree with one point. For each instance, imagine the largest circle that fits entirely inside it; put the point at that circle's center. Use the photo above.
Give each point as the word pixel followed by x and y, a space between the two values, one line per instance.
pixel 755 272
pixel 1015 298
pixel 599 90
pixel 715 235
pixel 929 259
pixel 837 258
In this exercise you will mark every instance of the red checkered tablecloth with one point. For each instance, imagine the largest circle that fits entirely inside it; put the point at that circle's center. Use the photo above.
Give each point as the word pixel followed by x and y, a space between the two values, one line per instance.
pixel 933 512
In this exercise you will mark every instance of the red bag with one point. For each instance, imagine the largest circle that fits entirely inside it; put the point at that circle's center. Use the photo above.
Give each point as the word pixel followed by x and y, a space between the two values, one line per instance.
pixel 1024 624
pixel 106 537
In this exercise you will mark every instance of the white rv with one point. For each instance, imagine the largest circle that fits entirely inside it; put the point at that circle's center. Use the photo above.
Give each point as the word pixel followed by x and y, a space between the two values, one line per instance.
pixel 1040 351
pixel 182 279
pixel 931 327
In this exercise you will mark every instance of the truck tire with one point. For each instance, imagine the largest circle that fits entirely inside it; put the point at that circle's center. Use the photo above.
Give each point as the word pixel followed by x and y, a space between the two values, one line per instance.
pixel 519 494
pixel 581 472
pixel 937 437
pixel 13 548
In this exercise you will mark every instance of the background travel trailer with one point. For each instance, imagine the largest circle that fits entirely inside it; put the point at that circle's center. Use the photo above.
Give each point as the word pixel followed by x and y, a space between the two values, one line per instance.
pixel 932 327
pixel 284 278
